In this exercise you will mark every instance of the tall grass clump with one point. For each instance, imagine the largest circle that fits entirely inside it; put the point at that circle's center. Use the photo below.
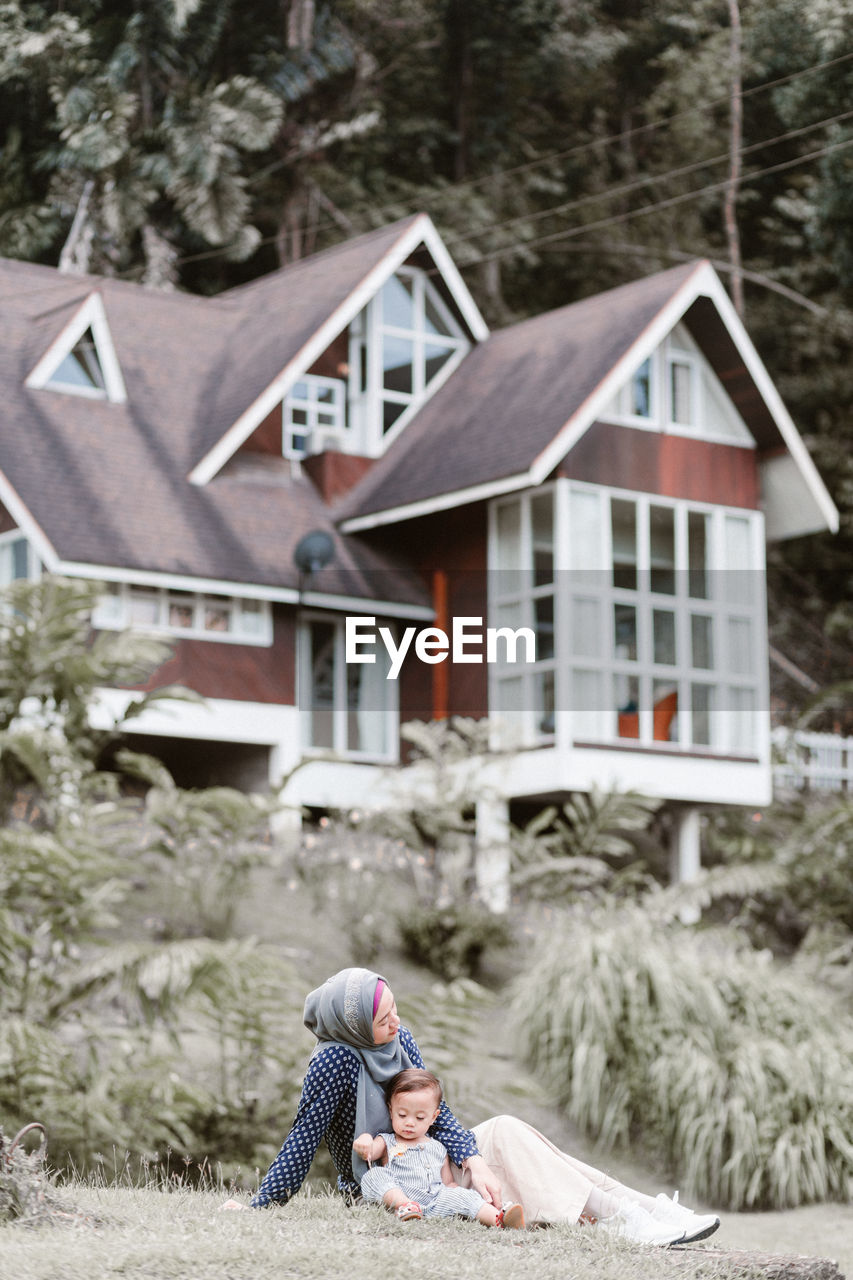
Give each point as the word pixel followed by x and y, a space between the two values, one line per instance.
pixel 733 1071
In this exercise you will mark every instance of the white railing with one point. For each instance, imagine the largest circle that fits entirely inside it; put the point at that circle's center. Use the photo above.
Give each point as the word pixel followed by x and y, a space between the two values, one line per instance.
pixel 806 761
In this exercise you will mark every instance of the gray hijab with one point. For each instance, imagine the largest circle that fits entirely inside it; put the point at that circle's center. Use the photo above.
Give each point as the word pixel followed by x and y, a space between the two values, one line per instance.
pixel 341 1012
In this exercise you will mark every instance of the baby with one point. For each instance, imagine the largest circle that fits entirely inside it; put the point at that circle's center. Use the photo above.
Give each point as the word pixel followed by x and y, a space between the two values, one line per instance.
pixel 410 1171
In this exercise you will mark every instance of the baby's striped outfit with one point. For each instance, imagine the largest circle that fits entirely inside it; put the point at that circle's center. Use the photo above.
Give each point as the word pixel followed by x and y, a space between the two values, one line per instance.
pixel 416 1171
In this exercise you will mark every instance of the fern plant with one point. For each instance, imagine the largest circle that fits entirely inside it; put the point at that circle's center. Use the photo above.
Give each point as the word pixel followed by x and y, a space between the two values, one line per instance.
pixel 583 847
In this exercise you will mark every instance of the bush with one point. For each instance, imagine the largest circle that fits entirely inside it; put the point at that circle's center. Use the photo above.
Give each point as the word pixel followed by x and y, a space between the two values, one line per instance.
pixel 450 940
pixel 731 1069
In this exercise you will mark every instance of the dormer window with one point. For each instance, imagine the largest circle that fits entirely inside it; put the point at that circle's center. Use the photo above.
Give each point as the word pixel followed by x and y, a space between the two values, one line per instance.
pixel 402 346
pixel 81 370
pixel 82 360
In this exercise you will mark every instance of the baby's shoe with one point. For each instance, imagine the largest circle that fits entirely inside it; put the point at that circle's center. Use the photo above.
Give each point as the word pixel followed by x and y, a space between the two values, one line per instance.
pixel 410 1209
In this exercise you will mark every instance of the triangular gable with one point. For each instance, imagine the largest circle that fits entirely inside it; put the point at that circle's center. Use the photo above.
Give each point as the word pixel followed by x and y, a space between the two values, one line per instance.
pixel 81 359
pixel 813 509
pixel 677 390
pixel 420 231
pixel 807 505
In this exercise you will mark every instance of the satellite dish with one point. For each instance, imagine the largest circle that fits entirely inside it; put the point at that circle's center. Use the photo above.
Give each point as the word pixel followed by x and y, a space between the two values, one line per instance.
pixel 314 551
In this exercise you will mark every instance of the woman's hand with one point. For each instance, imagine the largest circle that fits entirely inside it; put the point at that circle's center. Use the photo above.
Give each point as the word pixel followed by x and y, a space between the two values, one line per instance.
pixel 483 1180
pixel 363 1146
pixel 231 1204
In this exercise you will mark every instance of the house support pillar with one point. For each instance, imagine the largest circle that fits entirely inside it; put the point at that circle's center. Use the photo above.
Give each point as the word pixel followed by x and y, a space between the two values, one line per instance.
pixel 491 866
pixel 685 862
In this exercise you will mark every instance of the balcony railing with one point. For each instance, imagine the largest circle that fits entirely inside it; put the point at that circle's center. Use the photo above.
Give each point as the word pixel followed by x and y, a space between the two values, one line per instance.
pixel 806 761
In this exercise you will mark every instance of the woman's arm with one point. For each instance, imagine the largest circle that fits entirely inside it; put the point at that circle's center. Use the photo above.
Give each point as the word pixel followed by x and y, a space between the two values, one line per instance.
pixel 329 1076
pixel 460 1143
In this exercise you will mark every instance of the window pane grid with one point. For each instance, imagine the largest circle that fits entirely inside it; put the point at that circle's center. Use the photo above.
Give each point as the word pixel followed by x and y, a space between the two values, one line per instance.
pixel 665 655
pixel 183 613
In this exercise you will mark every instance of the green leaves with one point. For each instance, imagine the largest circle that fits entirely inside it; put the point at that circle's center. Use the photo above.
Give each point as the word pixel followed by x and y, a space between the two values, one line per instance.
pixel 733 1069
pixel 572 850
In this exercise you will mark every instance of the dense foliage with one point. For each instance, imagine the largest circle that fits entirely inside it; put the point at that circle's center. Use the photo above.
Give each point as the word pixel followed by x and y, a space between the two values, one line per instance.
pixel 133 1045
pixel 687 1044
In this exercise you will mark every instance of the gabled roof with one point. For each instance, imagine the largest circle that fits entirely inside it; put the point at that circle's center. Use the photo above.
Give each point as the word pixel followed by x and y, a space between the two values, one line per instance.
pixel 522 399
pixel 99 485
pixel 290 317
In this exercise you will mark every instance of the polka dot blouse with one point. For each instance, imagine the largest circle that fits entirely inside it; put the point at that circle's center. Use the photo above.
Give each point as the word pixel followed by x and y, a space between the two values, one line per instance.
pixel 327 1110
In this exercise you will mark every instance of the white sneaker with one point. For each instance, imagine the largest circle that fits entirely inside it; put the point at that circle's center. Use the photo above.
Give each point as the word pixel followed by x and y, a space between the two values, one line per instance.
pixel 632 1222
pixel 696 1226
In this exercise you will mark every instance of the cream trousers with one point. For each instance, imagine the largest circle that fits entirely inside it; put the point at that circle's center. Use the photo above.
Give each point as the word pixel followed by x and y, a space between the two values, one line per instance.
pixel 551 1185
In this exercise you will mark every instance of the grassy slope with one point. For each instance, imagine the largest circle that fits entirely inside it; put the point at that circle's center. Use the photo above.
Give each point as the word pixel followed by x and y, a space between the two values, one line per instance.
pixel 147 1234
pixel 150 1234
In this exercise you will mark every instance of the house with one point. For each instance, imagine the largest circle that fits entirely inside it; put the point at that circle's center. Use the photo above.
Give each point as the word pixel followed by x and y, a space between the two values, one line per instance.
pixel 596 485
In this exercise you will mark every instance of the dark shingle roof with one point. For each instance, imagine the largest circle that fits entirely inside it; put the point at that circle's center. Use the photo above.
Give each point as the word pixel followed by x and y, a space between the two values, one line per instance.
pixel 107 483
pixel 511 396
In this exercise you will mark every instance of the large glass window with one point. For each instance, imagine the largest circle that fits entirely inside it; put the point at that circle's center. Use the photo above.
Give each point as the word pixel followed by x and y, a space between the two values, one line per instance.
pixel 523 598
pixel 347 708
pixel 662 613
pixel 684 604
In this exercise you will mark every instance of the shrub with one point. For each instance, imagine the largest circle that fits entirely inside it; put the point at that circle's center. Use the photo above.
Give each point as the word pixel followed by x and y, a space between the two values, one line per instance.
pixel 731 1069
pixel 450 940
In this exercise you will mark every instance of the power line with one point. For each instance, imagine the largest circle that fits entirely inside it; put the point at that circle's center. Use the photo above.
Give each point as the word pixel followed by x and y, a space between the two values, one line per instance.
pixel 658 205
pixel 578 148
pixel 594 197
pixel 628 187
pixel 719 264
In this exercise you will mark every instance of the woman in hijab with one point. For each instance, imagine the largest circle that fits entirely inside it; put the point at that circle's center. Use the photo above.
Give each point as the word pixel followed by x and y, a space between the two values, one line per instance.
pixel 361 1044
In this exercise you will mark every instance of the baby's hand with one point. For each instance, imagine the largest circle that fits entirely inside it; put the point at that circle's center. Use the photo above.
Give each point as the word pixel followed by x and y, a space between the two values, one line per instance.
pixel 363 1146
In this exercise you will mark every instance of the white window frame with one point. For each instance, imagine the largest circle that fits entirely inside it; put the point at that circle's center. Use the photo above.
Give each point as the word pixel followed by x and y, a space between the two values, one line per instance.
pixel 340 707
pixel 7 540
pixel 367 331
pixel 516 590
pixel 588 580
pixel 317 434
pixel 90 316
pixel 114 612
pixel 682 674
pixel 678 348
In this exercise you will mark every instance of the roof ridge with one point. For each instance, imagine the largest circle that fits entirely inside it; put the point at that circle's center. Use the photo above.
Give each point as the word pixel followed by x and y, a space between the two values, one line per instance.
pixel 683 271
pixel 356 241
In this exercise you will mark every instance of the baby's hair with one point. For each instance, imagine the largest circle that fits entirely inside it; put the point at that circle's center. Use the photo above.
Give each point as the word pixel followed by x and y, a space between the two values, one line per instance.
pixel 410 1080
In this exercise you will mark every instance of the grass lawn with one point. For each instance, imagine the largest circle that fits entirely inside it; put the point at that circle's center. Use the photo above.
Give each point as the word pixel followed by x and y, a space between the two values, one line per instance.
pixel 150 1235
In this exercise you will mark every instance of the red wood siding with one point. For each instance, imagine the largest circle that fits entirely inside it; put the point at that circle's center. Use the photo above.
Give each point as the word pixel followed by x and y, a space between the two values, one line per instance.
pixel 6 521
pixel 239 672
pixel 669 465
pixel 333 363
pixel 455 543
pixel 266 438
pixel 333 473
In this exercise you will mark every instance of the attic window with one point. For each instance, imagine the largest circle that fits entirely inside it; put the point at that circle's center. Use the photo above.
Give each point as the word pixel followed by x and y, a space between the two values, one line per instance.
pixel 402 346
pixel 82 360
pixel 81 370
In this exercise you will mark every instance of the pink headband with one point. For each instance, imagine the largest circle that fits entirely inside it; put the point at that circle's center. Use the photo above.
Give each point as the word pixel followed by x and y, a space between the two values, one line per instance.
pixel 377 996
